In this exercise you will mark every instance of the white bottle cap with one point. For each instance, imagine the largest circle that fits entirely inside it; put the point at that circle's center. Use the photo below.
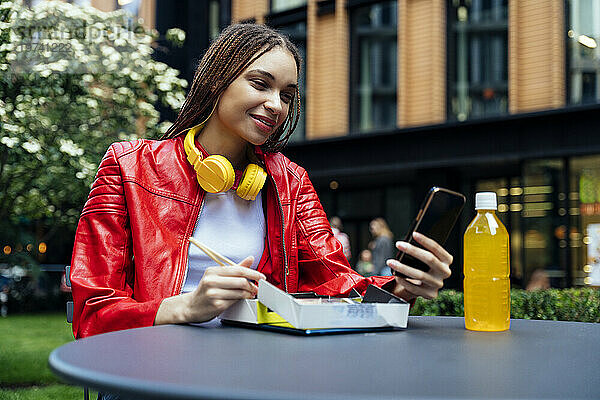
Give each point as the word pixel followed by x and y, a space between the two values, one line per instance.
pixel 486 201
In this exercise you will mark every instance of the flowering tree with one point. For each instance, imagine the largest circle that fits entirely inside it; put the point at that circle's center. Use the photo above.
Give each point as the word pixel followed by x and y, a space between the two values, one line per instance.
pixel 72 80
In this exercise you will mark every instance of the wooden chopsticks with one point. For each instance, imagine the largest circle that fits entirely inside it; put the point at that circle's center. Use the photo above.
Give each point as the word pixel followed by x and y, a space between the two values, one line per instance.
pixel 216 257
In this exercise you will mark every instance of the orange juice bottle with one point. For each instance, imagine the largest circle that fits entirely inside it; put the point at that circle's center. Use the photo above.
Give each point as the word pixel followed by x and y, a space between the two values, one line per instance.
pixel 486 268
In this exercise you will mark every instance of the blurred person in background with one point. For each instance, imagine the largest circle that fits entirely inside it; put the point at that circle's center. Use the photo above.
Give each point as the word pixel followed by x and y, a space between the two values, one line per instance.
pixel 539 280
pixel 382 246
pixel 4 301
pixel 365 266
pixel 341 236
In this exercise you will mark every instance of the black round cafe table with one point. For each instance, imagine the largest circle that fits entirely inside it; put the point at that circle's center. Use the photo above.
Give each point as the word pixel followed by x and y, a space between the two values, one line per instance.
pixel 434 358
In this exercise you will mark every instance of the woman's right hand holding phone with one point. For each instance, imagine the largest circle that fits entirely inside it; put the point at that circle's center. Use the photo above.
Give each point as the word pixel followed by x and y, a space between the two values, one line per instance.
pixel 218 289
pixel 413 282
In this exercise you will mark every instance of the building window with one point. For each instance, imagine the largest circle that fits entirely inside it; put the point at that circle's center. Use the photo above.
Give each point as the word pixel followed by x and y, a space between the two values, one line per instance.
pixel 584 215
pixel 33 3
pixel 284 5
pixel 297 34
pixel 534 207
pixel 214 19
pixel 584 54
pixel 131 6
pixel 477 58
pixel 81 2
pixel 373 67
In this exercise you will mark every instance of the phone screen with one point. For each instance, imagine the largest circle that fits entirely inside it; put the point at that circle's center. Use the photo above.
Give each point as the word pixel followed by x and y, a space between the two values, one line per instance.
pixel 436 218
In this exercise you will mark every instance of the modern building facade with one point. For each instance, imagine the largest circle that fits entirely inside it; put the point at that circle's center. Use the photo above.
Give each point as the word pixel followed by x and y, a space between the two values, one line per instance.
pixel 401 95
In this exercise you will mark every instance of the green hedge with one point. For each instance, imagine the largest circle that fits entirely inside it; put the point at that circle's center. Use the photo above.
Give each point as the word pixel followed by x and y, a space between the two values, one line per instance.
pixel 553 304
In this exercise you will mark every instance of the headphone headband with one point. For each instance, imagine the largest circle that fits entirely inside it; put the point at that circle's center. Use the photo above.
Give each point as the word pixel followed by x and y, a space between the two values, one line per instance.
pixel 193 154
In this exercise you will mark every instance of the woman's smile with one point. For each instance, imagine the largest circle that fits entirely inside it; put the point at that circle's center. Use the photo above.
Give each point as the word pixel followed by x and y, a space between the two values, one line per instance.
pixel 263 123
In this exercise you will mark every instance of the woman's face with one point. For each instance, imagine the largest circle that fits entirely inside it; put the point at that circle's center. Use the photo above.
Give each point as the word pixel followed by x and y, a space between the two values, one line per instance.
pixel 257 102
pixel 374 228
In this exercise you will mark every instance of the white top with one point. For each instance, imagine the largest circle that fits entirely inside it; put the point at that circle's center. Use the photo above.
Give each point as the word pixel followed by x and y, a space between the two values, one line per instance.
pixel 232 227
pixel 486 201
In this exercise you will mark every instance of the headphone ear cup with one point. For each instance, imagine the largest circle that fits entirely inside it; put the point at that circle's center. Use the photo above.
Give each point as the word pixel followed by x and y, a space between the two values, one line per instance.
pixel 253 179
pixel 215 174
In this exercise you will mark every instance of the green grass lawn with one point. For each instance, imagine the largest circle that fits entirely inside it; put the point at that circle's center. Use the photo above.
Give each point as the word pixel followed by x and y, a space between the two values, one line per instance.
pixel 25 344
pixel 50 392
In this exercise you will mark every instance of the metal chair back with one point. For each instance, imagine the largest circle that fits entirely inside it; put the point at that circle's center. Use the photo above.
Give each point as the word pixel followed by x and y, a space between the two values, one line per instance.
pixel 69 303
pixel 86 393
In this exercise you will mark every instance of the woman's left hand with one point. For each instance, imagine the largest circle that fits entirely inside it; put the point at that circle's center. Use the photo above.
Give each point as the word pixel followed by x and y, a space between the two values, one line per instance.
pixel 421 283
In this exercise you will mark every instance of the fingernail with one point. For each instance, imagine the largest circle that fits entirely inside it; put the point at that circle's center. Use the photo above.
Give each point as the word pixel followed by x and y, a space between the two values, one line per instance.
pixel 401 245
pixel 416 235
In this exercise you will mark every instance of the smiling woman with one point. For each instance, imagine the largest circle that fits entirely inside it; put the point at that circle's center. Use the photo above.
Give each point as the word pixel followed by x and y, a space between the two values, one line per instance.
pixel 217 177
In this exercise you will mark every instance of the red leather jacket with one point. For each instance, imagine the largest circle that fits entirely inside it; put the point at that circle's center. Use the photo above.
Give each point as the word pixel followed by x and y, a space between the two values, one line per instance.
pixel 131 247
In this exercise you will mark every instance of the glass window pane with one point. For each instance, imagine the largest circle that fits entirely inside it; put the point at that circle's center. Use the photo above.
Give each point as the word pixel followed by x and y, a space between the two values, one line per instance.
pixel 82 2
pixel 584 216
pixel 533 207
pixel 283 5
pixel 583 38
pixel 374 54
pixel 544 219
pixel 132 6
pixel 478 66
pixel 213 19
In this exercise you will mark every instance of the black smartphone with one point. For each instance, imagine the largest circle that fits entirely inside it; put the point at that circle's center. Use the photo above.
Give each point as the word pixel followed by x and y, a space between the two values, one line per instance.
pixel 436 218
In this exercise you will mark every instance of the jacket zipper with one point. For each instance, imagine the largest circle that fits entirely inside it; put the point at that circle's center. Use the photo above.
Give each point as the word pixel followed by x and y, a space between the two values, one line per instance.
pixel 285 261
pixel 187 247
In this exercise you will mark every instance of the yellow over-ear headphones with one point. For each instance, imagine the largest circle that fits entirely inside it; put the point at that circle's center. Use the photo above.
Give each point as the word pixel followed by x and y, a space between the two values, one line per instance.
pixel 215 173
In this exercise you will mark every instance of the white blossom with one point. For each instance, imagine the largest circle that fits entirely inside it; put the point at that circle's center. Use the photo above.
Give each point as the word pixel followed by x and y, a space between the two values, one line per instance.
pixel 68 147
pixel 45 121
pixel 96 91
pixel 164 126
pixel 92 103
pixel 9 142
pixel 58 66
pixel 32 146
pixel 11 128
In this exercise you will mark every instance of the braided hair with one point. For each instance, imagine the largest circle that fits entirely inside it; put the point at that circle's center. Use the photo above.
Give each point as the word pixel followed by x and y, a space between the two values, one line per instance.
pixel 237 47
